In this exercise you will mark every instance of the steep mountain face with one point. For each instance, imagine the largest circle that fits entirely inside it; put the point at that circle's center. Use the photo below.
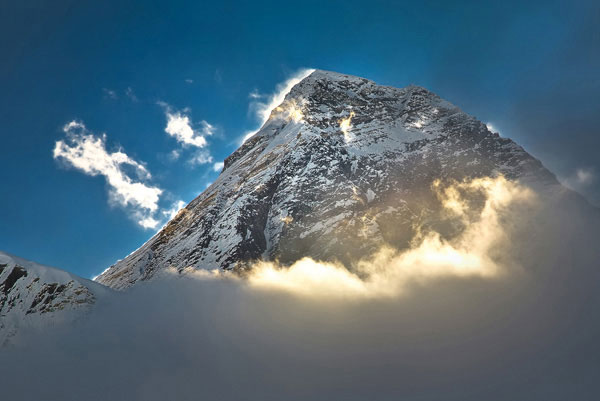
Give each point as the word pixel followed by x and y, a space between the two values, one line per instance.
pixel 33 295
pixel 341 167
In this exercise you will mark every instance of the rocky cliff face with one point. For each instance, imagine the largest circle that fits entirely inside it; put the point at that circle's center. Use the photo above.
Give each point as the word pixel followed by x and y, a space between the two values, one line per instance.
pixel 32 295
pixel 342 167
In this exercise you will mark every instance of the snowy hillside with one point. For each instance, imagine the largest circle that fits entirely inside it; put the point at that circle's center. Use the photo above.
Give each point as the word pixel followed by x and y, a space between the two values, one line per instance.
pixel 342 167
pixel 33 295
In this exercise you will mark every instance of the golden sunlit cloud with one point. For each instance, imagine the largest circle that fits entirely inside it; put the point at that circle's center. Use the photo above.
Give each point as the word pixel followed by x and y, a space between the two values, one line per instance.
pixel 390 273
pixel 346 125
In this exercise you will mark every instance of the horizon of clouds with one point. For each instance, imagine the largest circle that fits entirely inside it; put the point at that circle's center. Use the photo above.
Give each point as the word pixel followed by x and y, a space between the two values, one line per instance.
pixel 262 109
pixel 132 191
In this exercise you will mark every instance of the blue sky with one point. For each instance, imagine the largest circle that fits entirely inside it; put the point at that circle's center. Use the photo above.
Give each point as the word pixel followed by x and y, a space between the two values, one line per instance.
pixel 126 70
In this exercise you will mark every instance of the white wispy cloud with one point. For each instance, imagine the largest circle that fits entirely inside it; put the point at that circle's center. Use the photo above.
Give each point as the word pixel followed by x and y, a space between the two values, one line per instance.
pixel 255 95
pixel 147 221
pixel 131 95
pixel 127 178
pixel 580 179
pixel 584 176
pixel 201 157
pixel 218 166
pixel 110 94
pixel 180 126
pixel 263 109
pixel 174 155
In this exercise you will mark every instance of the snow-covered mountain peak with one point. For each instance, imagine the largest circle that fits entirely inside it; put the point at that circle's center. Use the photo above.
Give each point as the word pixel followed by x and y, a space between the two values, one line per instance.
pixel 341 167
pixel 359 113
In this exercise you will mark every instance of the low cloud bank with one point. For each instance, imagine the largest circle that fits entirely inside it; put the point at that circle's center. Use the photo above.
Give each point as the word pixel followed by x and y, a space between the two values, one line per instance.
pixel 499 333
pixel 390 273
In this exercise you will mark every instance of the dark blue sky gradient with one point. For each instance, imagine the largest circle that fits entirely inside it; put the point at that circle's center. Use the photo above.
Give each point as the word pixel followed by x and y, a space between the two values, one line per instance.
pixel 529 68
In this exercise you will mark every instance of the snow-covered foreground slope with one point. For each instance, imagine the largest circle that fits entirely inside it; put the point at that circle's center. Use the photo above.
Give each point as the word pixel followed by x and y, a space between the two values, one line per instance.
pixel 341 168
pixel 37 296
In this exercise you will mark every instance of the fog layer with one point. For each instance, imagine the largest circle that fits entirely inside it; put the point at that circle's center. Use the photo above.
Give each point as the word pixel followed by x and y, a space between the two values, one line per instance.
pixel 524 327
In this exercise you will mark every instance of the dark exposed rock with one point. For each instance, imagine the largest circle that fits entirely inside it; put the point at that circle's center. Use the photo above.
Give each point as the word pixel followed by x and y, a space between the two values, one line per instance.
pixel 16 273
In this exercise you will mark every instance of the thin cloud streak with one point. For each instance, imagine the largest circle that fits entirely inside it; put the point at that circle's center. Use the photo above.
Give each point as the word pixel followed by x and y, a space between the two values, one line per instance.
pixel 130 190
pixel 131 95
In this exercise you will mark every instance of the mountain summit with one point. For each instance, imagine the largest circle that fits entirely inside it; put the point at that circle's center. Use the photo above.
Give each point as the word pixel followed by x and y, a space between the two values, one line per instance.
pixel 341 167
